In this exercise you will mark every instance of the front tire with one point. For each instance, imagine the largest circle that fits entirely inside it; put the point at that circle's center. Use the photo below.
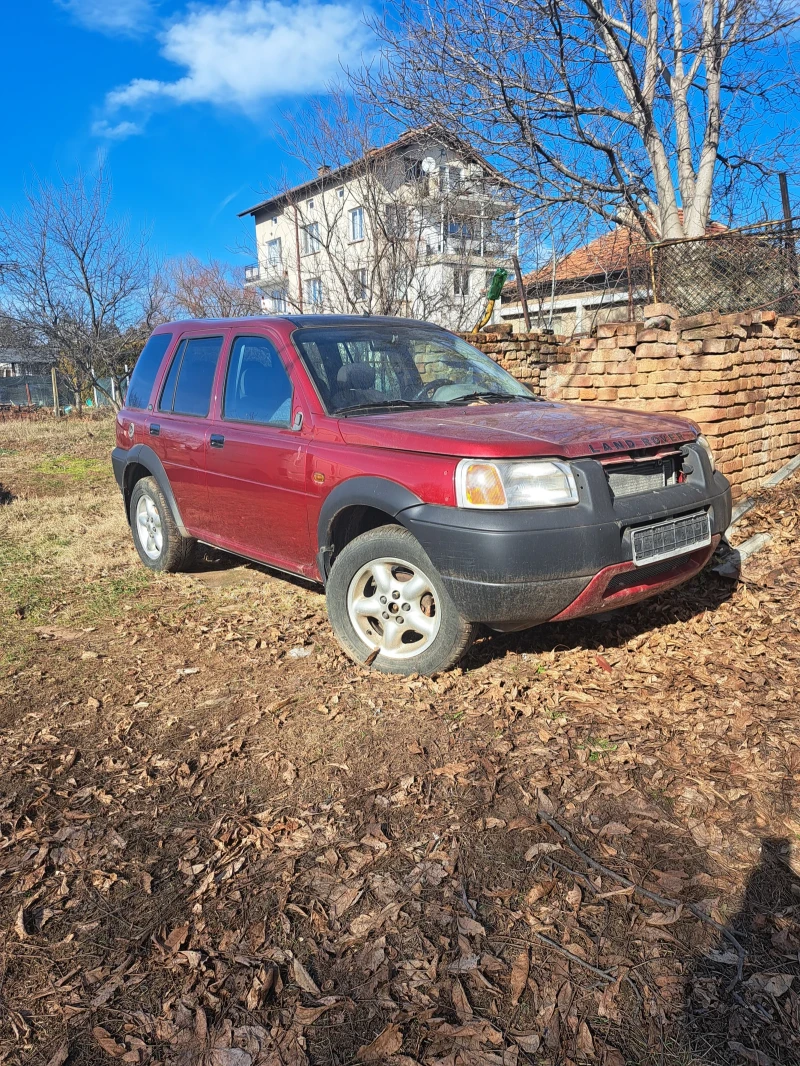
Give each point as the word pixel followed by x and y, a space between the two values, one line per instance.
pixel 385 596
pixel 155 534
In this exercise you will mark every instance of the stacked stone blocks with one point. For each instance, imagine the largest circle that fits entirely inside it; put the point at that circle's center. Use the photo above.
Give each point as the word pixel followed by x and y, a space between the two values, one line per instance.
pixel 737 376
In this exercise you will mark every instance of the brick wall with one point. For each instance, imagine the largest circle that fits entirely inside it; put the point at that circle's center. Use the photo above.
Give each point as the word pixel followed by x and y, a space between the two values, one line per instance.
pixel 738 376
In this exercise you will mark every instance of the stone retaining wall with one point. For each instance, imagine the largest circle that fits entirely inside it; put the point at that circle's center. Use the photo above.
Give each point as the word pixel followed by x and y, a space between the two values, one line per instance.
pixel 737 376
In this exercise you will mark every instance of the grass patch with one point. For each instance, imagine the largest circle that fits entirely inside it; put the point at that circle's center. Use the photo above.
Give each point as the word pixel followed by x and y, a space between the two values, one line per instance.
pixel 597 747
pixel 70 466
pixel 109 597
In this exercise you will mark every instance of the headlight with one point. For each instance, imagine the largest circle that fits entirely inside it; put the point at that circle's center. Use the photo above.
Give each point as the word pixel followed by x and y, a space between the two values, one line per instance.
pixel 707 449
pixel 515 483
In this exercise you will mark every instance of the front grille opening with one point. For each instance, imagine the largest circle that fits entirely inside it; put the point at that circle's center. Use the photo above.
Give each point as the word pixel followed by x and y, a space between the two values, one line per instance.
pixel 643 575
pixel 630 479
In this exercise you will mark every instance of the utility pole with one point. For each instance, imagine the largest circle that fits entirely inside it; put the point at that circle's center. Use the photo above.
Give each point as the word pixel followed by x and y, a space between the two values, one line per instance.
pixel 297 253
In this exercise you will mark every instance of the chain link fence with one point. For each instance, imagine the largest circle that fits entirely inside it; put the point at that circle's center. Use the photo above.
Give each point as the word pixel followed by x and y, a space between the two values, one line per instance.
pixel 36 390
pixel 735 270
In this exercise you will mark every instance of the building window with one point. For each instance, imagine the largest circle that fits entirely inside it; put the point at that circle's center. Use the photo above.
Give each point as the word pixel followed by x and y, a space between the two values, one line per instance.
pixel 460 282
pixel 313 293
pixel 276 301
pixel 413 169
pixel 311 202
pixel 274 252
pixel 311 241
pixel 275 221
pixel 340 192
pixel 360 284
pixel 357 224
pixel 450 179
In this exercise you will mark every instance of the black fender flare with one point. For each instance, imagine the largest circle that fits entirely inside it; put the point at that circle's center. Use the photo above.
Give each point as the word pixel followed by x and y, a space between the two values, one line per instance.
pixel 378 492
pixel 141 455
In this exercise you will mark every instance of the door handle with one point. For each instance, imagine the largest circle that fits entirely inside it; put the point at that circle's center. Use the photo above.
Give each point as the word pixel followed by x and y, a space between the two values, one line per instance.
pixel 155 429
pixel 217 440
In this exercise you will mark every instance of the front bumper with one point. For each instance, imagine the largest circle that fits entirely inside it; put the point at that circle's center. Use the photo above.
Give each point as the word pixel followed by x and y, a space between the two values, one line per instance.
pixel 513 569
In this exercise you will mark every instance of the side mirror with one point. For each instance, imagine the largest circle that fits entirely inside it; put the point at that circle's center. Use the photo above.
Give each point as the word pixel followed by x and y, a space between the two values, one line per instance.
pixel 297 422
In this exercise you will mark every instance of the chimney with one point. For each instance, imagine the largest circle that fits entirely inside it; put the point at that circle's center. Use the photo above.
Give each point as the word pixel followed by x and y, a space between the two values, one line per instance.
pixel 323 169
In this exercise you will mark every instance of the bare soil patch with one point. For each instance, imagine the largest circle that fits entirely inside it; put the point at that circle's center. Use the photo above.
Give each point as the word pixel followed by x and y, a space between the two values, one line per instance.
pixel 223 843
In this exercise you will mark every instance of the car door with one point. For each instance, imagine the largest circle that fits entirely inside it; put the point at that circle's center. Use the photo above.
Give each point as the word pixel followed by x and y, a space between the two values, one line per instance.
pixel 180 424
pixel 256 462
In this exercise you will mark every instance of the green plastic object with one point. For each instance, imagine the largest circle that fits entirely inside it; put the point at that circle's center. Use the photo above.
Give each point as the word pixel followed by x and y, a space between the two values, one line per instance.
pixel 496 284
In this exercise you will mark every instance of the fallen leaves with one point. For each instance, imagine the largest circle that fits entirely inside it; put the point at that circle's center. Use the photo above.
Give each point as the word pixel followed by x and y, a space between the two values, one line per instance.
pixel 386 1043
pixel 108 1043
pixel 519 976
pixel 275 859
pixel 303 978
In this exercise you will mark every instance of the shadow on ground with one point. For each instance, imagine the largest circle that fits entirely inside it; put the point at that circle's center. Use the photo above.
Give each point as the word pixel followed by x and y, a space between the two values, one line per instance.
pixel 756 1020
pixel 614 629
pixel 6 496
pixel 706 592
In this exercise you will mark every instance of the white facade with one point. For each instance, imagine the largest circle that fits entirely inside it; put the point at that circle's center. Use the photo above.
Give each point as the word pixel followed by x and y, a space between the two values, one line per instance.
pixel 417 229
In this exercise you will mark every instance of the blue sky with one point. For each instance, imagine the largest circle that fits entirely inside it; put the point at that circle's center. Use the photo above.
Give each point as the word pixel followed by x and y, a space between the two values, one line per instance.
pixel 182 100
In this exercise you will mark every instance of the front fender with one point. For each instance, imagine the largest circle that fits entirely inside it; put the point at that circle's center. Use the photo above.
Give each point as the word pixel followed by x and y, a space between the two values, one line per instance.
pixel 377 492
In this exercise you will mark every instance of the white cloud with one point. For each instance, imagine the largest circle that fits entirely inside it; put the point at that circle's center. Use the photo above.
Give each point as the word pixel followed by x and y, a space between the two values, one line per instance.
pixel 115 131
pixel 124 17
pixel 243 52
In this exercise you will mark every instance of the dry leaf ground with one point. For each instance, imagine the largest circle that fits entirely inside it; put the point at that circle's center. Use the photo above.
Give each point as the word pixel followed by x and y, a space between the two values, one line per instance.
pixel 222 843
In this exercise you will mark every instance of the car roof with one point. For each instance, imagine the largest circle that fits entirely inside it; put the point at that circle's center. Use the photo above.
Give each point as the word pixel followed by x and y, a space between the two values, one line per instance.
pixel 296 320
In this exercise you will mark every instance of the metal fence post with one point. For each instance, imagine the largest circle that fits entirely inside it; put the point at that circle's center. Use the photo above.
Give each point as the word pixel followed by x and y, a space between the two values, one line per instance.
pixel 54 380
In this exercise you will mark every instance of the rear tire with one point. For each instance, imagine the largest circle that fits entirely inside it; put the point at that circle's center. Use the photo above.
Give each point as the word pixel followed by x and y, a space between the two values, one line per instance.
pixel 384 594
pixel 155 534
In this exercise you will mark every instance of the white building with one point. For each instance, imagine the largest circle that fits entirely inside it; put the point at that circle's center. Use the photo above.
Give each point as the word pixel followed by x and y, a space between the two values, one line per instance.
pixel 414 228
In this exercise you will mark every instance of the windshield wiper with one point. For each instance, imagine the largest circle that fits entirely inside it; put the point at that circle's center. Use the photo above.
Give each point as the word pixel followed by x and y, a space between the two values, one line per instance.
pixel 490 396
pixel 387 405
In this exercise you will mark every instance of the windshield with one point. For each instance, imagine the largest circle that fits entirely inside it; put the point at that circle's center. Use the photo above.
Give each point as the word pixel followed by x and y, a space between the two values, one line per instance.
pixel 372 367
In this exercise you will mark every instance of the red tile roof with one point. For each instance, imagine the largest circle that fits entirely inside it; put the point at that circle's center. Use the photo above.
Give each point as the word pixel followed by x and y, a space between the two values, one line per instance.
pixel 608 254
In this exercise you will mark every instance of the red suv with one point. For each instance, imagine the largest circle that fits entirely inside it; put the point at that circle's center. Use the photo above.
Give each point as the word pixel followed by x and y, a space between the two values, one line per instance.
pixel 421 484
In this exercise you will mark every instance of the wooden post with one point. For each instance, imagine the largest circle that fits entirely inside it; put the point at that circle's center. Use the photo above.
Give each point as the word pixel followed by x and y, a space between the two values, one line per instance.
pixel 523 299
pixel 54 379
pixel 787 218
pixel 28 394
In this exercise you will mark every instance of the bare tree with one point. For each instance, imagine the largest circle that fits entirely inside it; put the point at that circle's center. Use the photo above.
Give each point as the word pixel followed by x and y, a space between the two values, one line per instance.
pixel 79 281
pixel 419 233
pixel 210 289
pixel 638 110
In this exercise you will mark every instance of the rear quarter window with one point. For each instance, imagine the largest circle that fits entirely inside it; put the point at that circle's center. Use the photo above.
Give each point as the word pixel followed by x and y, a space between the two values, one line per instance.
pixel 187 390
pixel 146 369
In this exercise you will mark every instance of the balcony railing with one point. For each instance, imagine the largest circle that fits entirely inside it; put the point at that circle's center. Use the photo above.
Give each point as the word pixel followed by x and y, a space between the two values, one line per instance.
pixel 268 271
pixel 473 247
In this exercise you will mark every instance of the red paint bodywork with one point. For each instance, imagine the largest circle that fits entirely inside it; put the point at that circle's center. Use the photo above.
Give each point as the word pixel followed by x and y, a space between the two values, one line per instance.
pixel 596 596
pixel 260 496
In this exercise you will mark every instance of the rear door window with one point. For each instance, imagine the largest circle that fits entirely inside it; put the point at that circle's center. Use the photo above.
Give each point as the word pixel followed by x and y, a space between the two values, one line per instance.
pixel 257 387
pixel 187 390
pixel 146 370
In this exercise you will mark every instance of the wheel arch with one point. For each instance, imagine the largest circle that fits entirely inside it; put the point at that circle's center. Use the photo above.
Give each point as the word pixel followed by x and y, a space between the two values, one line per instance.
pixel 141 462
pixel 354 507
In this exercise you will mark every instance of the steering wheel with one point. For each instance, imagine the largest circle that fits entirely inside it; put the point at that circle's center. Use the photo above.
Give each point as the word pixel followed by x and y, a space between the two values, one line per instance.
pixel 427 390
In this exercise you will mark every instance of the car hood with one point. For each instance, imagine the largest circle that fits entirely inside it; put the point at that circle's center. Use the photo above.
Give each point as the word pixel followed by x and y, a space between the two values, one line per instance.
pixel 517 429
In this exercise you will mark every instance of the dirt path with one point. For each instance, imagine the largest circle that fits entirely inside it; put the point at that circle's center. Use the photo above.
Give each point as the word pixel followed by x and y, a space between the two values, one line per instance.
pixel 222 842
